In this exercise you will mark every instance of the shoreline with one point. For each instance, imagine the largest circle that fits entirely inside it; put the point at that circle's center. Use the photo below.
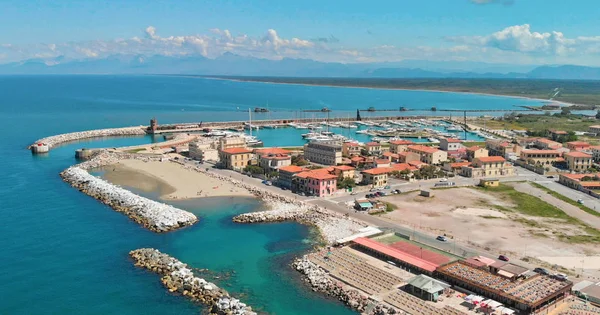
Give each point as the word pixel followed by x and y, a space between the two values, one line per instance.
pixel 393 89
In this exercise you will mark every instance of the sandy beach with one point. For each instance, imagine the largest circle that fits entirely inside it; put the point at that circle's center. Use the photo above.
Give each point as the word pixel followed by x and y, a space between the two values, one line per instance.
pixel 179 182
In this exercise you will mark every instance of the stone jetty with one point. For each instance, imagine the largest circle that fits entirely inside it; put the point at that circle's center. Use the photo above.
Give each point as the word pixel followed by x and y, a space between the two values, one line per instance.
pixel 53 141
pixel 177 277
pixel 155 216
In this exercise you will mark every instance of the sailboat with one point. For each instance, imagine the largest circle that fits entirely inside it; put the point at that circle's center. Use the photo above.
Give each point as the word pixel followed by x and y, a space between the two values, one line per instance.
pixel 269 126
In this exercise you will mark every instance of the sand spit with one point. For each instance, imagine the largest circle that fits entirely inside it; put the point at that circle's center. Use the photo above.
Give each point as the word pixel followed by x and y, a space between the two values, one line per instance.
pixel 177 277
pixel 53 141
pixel 155 216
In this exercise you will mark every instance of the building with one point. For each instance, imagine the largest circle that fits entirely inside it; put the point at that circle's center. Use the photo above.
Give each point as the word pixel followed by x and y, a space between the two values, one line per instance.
pixel 476 152
pixel 236 158
pixel 557 134
pixel 489 166
pixel 594 151
pixel 392 157
pixel 429 155
pixel 376 177
pixel 450 144
pixel 455 167
pixel 319 183
pixel 577 145
pixel 594 129
pixel 323 152
pixel 578 161
pixel 373 148
pixel 203 151
pixel 406 157
pixel 544 157
pixel 379 163
pixel 363 205
pixel 580 181
pixel 526 295
pixel 350 149
pixel 231 142
pixel 271 151
pixel 273 162
pixel 357 161
pixel 286 175
pixel 397 146
pixel 403 167
pixel 344 171
pixel 503 148
pixel 489 182
pixel 426 288
pixel 546 144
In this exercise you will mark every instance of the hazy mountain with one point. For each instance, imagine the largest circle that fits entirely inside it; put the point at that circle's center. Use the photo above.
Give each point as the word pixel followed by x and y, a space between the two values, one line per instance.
pixel 235 65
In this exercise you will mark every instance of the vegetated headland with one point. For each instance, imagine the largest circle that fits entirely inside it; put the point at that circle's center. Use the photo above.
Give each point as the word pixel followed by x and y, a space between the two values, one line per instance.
pixel 581 92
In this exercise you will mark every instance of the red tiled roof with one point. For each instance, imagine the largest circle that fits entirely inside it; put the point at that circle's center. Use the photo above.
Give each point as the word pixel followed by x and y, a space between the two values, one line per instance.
pixel 473 148
pixel 267 151
pixel 237 151
pixel 401 142
pixel 292 169
pixel 459 164
pixel 403 166
pixel 382 161
pixel 344 168
pixel 397 254
pixel 452 140
pixel 579 176
pixel 590 184
pixel 488 159
pixel 422 148
pixel 417 163
pixel 388 154
pixel 358 159
pixel 378 170
pixel 544 140
pixel 578 154
pixel 372 144
pixel 318 175
pixel 351 144
pixel 579 143
pixel 558 132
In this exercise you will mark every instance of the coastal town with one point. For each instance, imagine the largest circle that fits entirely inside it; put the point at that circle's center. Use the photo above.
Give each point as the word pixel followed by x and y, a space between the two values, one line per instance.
pixel 431 215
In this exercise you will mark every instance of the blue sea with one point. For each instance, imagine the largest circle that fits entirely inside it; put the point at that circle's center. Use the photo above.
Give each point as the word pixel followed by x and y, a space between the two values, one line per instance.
pixel 63 252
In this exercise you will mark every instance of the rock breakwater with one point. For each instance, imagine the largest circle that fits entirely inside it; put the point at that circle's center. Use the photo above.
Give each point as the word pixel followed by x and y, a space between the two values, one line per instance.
pixel 177 277
pixel 155 216
pixel 53 141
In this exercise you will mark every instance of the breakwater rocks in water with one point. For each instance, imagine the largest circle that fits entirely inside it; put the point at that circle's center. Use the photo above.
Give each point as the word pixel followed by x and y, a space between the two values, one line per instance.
pixel 98 133
pixel 155 216
pixel 318 279
pixel 177 277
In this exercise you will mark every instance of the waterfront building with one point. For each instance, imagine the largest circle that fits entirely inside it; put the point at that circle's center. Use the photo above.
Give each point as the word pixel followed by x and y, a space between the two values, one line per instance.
pixel 578 161
pixel 286 175
pixel 272 162
pixel 231 142
pixel 344 171
pixel 546 144
pixel 376 177
pixel 203 151
pixel 450 144
pixel 373 148
pixel 490 166
pixel 429 155
pixel 407 157
pixel 323 152
pixel 577 145
pixel 544 157
pixel 350 149
pixel 236 158
pixel 476 152
pixel 319 183
pixel 594 129
pixel 397 146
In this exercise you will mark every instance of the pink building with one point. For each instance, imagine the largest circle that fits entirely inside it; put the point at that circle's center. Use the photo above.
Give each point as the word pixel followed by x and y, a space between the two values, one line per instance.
pixel 318 183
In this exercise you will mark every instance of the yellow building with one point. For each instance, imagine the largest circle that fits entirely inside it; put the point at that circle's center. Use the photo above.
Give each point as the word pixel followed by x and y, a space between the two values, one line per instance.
pixel 429 155
pixel 344 171
pixel 231 142
pixel 373 148
pixel 350 149
pixel 578 161
pixel 376 177
pixel 236 158
pixel 398 146
pixel 491 182
pixel 545 157
pixel 476 152
pixel 489 166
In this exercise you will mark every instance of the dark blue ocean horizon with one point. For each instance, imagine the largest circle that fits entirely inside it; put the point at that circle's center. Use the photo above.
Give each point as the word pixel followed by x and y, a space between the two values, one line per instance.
pixel 65 253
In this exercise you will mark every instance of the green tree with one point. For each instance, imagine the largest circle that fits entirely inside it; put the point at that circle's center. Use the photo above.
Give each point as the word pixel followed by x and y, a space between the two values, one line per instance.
pixel 253 169
pixel 299 160
pixel 346 183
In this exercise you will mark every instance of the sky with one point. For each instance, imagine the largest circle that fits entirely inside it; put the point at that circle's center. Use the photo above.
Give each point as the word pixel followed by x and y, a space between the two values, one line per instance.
pixel 350 31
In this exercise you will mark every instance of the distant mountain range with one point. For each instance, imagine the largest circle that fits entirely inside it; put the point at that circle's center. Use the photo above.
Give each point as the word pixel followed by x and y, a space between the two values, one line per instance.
pixel 234 65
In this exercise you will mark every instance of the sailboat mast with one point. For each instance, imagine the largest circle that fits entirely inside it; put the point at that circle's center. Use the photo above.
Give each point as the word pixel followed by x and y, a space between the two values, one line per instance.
pixel 250 121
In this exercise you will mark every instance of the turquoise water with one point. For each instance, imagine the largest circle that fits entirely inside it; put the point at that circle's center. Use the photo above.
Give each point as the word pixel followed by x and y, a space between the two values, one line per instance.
pixel 65 253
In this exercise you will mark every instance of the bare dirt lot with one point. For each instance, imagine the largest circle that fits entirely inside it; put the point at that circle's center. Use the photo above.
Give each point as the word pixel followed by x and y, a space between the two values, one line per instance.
pixel 486 220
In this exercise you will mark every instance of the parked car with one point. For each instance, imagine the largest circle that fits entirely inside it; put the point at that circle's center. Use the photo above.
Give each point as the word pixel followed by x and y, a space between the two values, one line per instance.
pixel 383 193
pixel 353 193
pixel 503 258
pixel 442 180
pixel 441 238
pixel 550 176
pixel 378 194
pixel 541 271
pixel 387 187
pixel 561 277
pixel 398 191
pixel 580 201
